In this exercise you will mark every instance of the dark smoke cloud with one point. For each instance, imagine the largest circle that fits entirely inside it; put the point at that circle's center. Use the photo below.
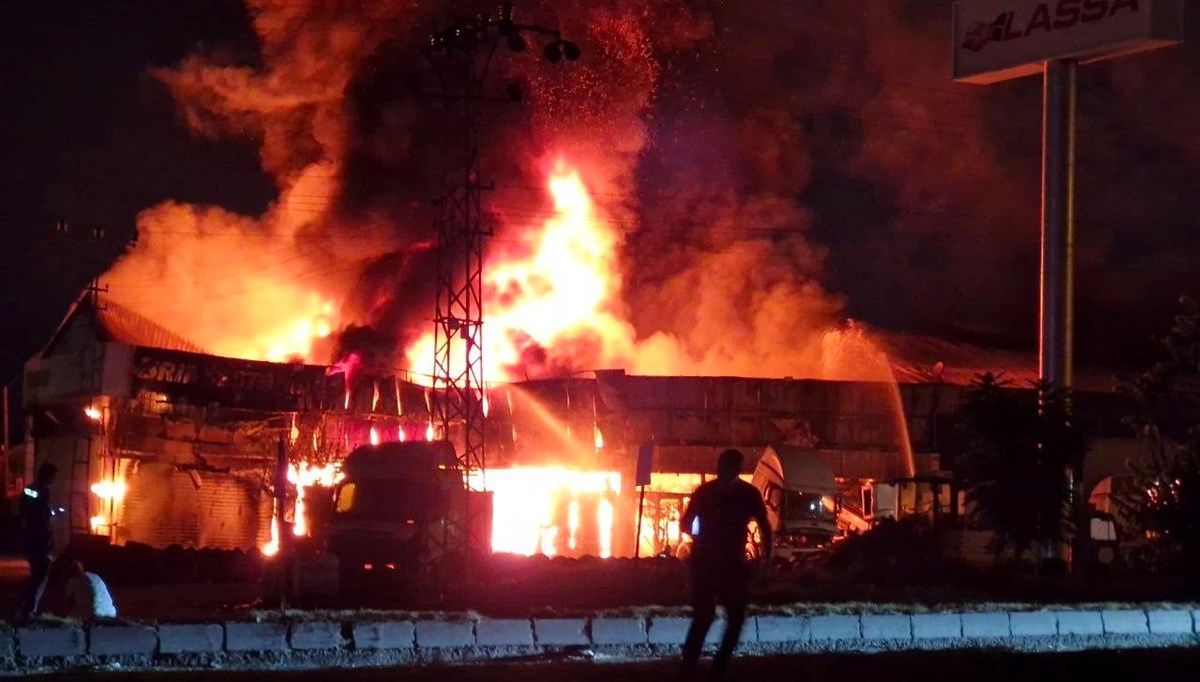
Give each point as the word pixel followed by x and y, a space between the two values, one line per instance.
pixel 774 167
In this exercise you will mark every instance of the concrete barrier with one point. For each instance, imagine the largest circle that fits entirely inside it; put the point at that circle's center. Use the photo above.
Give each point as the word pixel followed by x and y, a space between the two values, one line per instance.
pixel 317 635
pixel 561 631
pixel 504 633
pixel 199 638
pixel 892 627
pixel 1163 622
pixel 937 626
pixel 256 637
pixel 330 643
pixel 51 642
pixel 986 625
pixel 121 640
pixel 825 628
pixel 1033 623
pixel 672 631
pixel 1079 623
pixel 445 634
pixel 619 631
pixel 781 629
pixel 384 635
pixel 1125 622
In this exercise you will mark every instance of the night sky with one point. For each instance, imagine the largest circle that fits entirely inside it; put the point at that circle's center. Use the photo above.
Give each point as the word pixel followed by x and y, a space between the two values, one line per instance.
pixel 923 193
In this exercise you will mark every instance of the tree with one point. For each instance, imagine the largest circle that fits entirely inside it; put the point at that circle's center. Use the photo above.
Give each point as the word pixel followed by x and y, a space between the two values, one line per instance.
pixel 1015 466
pixel 1167 419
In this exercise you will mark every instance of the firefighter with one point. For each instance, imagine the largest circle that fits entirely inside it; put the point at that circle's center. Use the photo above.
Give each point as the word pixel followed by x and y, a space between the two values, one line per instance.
pixel 717 518
pixel 37 538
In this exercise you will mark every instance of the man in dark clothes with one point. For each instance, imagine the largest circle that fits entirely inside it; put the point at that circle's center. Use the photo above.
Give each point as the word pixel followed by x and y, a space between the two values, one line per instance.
pixel 37 538
pixel 717 519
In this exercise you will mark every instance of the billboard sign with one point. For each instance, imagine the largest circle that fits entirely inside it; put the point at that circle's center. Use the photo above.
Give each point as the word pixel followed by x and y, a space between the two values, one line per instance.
pixel 996 40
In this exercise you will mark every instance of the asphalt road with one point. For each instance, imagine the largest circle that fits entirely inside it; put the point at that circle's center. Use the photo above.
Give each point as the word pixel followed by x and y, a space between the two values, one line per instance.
pixel 971 666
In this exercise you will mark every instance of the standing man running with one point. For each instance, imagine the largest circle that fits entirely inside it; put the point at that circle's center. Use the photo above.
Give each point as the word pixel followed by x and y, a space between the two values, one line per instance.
pixel 717 519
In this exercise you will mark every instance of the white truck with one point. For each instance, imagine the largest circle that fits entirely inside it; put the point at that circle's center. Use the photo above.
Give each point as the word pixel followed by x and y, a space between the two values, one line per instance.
pixel 801 497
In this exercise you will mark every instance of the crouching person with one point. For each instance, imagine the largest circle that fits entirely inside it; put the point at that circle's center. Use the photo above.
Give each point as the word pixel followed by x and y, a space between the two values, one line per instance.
pixel 87 597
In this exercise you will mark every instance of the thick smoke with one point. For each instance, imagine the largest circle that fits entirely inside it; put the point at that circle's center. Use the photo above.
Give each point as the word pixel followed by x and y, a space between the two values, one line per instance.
pixel 276 286
pixel 752 159
pixel 716 273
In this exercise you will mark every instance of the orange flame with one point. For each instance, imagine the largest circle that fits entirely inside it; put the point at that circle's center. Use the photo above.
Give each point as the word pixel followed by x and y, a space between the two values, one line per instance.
pixel 109 490
pixel 303 476
pixel 110 493
pixel 527 501
pixel 560 287
pixel 272 546
pixel 374 436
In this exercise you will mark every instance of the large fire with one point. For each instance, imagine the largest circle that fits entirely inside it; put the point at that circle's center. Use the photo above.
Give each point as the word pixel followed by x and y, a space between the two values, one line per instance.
pixel 557 283
pixel 302 476
pixel 553 510
pixel 536 510
pixel 732 289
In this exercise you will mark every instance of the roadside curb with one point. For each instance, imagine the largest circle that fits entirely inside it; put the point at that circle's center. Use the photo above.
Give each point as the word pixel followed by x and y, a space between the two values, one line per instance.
pixel 349 643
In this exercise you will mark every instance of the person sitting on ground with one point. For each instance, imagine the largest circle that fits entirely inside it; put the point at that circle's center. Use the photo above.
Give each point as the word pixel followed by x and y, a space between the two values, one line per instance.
pixel 87 595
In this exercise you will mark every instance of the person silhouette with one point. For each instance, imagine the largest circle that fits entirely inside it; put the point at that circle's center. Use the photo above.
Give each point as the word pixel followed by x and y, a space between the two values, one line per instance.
pixel 717 518
pixel 37 539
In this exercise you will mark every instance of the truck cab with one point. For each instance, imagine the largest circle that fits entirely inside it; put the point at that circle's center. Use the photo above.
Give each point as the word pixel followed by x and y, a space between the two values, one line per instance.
pixel 801 497
pixel 393 500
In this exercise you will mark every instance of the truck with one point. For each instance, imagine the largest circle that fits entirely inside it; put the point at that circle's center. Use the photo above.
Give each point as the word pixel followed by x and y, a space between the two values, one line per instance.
pixel 802 500
pixel 393 515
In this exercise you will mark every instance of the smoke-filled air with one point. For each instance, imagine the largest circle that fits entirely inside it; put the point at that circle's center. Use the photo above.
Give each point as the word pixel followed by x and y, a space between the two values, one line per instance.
pixel 647 208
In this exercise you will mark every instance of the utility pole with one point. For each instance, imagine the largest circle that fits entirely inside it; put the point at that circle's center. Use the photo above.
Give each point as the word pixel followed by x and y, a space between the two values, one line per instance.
pixel 461 56
pixel 4 445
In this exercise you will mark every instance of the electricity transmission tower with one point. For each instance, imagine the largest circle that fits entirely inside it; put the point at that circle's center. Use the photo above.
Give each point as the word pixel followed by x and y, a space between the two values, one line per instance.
pixel 461 56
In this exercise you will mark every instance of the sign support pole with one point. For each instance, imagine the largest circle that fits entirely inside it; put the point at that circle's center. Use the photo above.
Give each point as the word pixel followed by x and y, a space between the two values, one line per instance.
pixel 1056 329
pixel 637 540
pixel 1058 224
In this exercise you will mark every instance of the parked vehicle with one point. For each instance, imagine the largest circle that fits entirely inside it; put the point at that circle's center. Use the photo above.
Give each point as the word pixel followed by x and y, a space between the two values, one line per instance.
pixel 801 496
pixel 392 511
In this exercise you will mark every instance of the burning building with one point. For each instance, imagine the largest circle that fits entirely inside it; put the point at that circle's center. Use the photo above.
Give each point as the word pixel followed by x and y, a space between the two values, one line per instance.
pixel 225 338
pixel 162 444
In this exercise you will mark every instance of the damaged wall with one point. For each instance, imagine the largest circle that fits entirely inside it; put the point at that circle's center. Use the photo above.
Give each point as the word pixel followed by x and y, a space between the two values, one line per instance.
pixel 168 506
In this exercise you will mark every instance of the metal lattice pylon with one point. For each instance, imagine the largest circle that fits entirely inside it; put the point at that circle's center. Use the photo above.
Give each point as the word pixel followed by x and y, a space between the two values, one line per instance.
pixel 461 55
pixel 458 315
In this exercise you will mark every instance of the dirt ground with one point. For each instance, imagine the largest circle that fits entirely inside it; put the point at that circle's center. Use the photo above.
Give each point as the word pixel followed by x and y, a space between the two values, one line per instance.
pixel 522 587
pixel 149 602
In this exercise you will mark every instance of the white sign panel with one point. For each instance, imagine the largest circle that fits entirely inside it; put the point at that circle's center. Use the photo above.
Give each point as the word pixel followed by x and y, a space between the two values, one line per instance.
pixel 996 40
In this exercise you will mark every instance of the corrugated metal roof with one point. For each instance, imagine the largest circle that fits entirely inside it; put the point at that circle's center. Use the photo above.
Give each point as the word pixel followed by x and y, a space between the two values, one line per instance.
pixel 920 359
pixel 121 325
pixel 118 324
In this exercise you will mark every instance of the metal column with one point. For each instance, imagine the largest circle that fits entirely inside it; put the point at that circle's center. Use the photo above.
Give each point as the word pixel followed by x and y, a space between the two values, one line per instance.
pixel 1056 337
